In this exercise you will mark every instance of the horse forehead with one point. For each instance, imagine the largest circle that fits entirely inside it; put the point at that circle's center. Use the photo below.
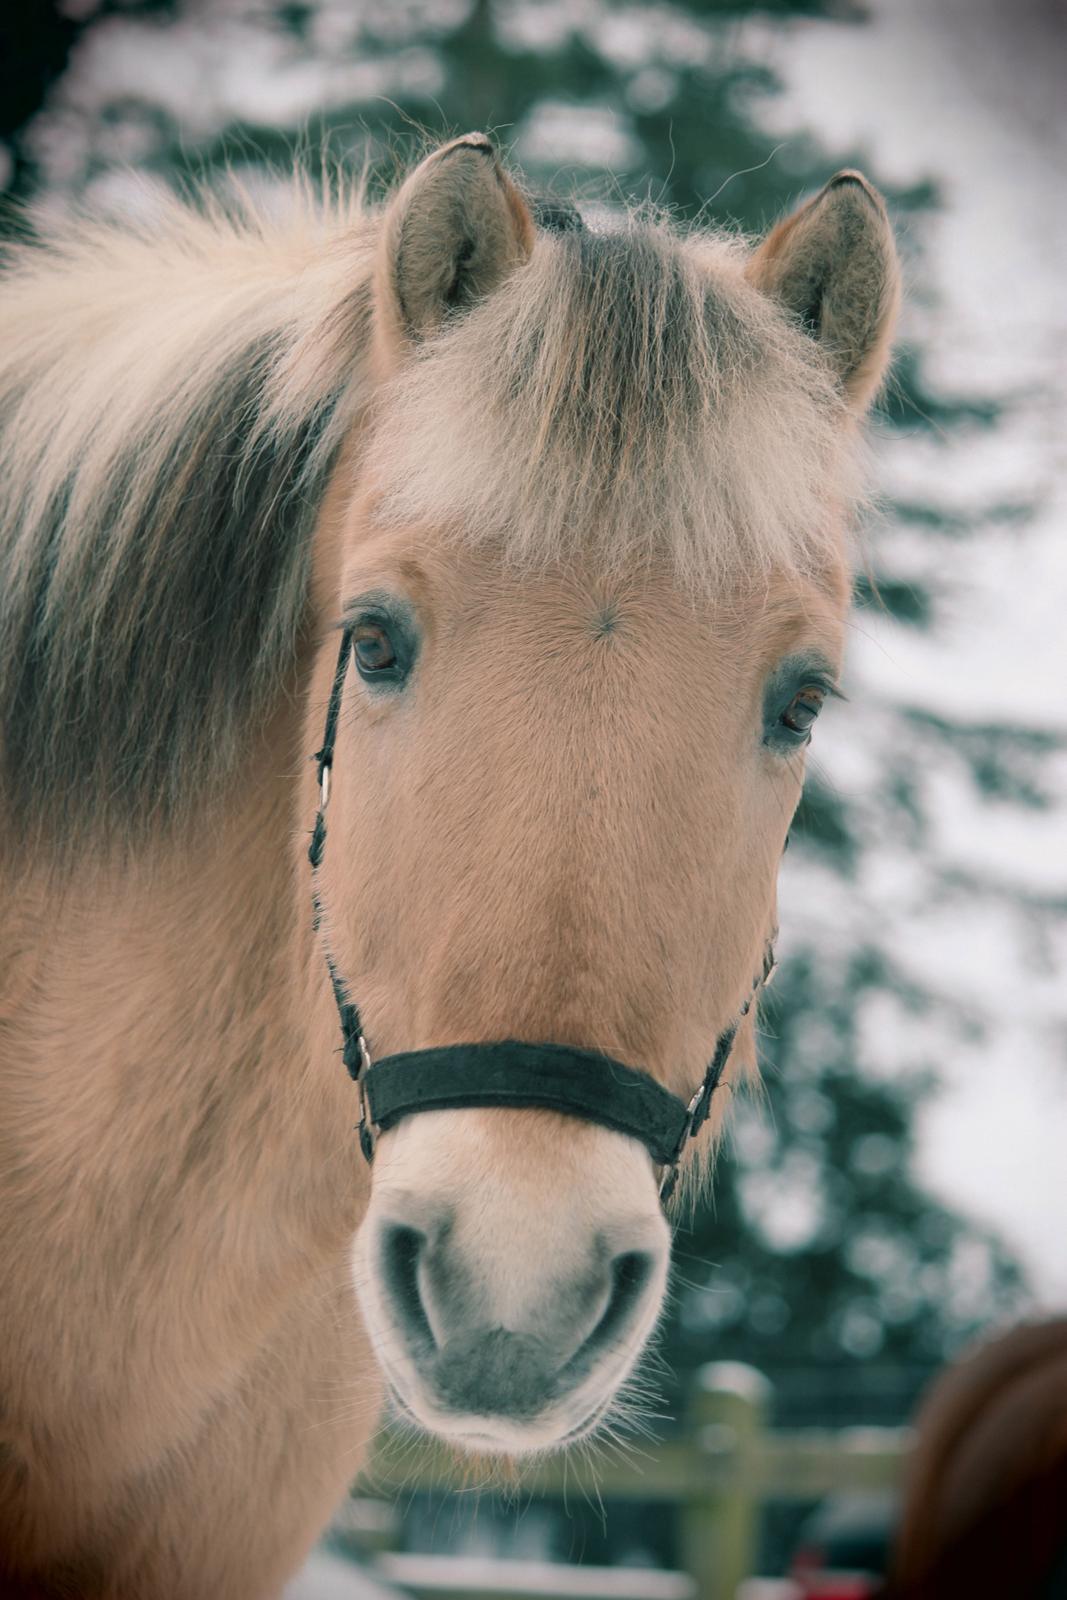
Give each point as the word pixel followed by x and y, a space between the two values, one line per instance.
pixel 640 610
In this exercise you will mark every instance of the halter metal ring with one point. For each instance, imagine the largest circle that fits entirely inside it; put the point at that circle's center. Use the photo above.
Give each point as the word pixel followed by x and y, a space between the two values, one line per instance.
pixel 670 1172
pixel 367 1131
pixel 324 787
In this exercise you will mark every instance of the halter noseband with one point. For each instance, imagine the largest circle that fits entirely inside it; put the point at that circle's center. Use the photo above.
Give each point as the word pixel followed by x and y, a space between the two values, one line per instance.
pixel 511 1072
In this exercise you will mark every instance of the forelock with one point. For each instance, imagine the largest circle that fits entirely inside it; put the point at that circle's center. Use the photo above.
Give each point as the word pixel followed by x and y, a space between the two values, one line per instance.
pixel 629 392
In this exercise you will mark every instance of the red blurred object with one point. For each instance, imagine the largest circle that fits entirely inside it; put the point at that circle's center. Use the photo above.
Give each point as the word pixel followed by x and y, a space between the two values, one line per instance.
pixel 843 1549
pixel 818 1584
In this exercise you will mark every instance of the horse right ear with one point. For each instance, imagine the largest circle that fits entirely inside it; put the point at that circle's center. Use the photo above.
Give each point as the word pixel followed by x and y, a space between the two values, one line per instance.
pixel 833 264
pixel 455 229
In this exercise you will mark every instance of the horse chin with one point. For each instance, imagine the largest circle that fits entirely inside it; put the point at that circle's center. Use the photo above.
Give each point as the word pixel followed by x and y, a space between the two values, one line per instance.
pixel 484 1436
pixel 563 1421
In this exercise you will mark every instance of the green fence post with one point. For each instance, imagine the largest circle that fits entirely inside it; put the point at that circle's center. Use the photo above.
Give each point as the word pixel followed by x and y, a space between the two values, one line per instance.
pixel 718 1532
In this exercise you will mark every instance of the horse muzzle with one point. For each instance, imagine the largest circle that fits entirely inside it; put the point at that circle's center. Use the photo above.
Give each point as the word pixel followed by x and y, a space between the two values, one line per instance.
pixel 508 1294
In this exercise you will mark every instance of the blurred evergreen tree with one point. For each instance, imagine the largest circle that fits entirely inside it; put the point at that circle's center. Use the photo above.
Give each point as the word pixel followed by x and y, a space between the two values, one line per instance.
pixel 818 1248
pixel 37 38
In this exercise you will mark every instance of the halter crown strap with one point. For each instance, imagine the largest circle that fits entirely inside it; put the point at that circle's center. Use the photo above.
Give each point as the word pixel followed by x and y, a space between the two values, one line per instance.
pixel 510 1072
pixel 354 1052
pixel 324 755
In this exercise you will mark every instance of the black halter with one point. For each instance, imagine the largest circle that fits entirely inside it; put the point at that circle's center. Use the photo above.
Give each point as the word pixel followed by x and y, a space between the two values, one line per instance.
pixel 512 1072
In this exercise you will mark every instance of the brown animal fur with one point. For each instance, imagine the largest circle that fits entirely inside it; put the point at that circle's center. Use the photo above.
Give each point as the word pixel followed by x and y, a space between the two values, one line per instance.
pixel 985 1502
pixel 568 827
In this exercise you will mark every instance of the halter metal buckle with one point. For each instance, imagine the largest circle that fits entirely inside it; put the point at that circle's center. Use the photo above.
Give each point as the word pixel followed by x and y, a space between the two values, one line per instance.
pixel 324 786
pixel 690 1113
pixel 670 1172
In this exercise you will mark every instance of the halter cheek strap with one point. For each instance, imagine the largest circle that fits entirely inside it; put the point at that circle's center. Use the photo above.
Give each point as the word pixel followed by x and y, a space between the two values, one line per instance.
pixel 510 1072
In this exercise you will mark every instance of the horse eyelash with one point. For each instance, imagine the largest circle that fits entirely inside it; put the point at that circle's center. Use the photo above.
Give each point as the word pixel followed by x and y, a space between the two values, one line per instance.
pixel 827 687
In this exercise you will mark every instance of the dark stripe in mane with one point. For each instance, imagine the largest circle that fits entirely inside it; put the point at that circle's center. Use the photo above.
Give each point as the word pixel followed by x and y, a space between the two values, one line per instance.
pixel 141 638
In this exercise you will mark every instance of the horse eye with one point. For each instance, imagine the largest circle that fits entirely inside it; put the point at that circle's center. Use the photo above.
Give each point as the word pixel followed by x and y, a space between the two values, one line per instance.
pixel 373 649
pixel 802 710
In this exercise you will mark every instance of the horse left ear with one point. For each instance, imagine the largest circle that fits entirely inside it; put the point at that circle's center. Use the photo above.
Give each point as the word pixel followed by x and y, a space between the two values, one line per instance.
pixel 834 265
pixel 455 229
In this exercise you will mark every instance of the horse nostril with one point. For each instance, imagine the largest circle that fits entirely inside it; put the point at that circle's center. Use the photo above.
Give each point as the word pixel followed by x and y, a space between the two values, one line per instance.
pixel 630 1274
pixel 401 1249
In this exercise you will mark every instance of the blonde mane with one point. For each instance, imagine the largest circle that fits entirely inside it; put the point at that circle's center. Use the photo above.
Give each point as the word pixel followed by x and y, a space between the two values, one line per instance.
pixel 172 396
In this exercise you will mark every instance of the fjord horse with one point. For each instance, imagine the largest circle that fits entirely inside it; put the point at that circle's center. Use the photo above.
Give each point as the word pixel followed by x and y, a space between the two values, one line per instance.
pixel 579 502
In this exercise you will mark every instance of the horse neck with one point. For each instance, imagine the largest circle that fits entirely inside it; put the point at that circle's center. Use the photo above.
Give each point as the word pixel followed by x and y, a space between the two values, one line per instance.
pixel 205 1087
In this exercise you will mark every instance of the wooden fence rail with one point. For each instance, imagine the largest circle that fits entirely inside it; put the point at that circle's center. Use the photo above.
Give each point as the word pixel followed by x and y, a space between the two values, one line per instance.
pixel 717 1474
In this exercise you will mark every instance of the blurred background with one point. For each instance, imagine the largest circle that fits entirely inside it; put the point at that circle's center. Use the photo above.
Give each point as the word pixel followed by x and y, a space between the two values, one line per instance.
pixel 902 1184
